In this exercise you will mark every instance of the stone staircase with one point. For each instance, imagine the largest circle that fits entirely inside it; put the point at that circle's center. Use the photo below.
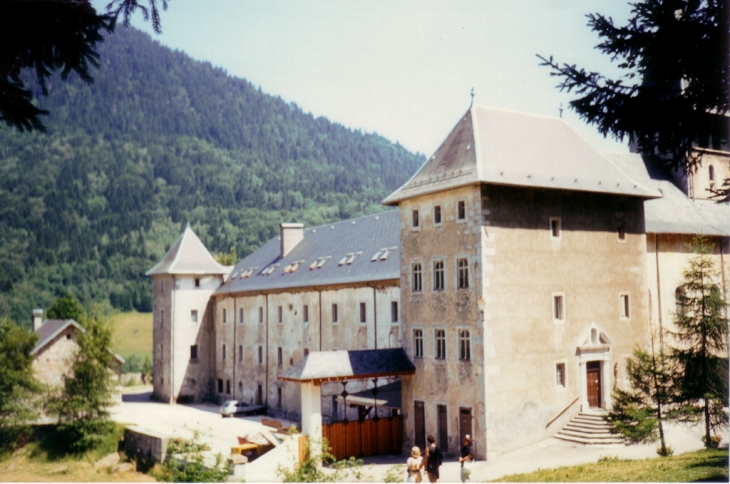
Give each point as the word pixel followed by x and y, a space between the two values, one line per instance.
pixel 590 429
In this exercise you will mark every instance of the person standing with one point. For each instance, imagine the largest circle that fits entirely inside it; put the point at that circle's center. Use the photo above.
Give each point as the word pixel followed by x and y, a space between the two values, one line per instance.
pixel 466 458
pixel 434 457
pixel 414 464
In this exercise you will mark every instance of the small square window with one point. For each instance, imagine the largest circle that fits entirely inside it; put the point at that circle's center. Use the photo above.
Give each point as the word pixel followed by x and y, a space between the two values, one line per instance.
pixel 437 215
pixel 363 313
pixel 461 210
pixel 558 307
pixel 415 221
pixel 555 228
pixel 194 316
pixel 625 306
pixel 334 313
pixel 394 311
pixel 560 374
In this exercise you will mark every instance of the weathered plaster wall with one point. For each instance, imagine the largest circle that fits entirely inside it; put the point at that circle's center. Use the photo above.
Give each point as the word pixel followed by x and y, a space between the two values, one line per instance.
pixel 673 260
pixel 450 381
pixel 162 286
pixel 525 268
pixel 52 363
pixel 700 179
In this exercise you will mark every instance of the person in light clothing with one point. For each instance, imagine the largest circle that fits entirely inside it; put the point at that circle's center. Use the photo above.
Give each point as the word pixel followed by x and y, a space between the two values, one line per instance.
pixel 414 464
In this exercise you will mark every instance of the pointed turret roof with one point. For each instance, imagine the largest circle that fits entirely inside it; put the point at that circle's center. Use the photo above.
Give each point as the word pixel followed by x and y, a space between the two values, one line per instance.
pixel 188 255
pixel 501 147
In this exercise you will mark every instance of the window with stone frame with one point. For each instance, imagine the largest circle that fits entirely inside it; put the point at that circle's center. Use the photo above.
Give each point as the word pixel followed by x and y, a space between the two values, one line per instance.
pixel 415 221
pixel 334 313
pixel 261 315
pixel 305 314
pixel 194 316
pixel 558 307
pixel 417 277
pixel 437 215
pixel 439 277
pixel 261 355
pixel 280 314
pixel 463 272
pixel 224 315
pixel 461 210
pixel 464 345
pixel 440 344
pixel 560 374
pixel 418 343
pixel 394 311
pixel 240 315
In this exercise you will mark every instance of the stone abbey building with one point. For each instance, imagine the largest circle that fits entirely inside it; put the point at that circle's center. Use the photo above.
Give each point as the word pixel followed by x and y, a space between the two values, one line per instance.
pixel 516 271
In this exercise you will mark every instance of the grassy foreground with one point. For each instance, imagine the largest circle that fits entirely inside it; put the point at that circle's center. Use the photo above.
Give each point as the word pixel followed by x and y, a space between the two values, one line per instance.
pixel 702 465
pixel 132 334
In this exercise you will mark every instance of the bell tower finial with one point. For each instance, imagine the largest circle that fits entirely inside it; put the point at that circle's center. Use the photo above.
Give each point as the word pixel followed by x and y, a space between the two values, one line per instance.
pixel 472 98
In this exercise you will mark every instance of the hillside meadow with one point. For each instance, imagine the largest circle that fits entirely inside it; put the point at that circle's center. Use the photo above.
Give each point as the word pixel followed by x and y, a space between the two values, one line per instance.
pixel 132 334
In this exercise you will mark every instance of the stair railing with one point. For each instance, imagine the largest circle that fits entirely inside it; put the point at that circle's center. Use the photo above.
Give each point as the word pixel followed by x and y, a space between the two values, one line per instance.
pixel 557 416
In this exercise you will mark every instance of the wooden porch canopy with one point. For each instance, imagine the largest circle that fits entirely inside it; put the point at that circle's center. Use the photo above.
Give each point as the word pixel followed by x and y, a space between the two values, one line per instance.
pixel 323 366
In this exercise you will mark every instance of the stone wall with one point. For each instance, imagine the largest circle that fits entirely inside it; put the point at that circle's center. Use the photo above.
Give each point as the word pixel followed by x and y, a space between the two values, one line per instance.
pixel 52 363
pixel 146 448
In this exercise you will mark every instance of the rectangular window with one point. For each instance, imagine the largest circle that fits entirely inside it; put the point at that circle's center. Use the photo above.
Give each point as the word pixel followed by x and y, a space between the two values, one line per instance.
pixel 220 385
pixel 240 315
pixel 558 308
pixel 334 313
pixel 461 210
pixel 363 313
pixel 194 316
pixel 259 395
pixel 560 374
pixel 437 215
pixel 415 218
pixel 280 312
pixel 240 353
pixel 224 315
pixel 417 277
pixel 278 397
pixel 162 316
pixel 394 311
pixel 418 343
pixel 306 313
pixel 194 352
pixel 554 228
pixel 440 344
pixel 438 275
pixel 463 268
pixel 306 352
pixel 625 305
pixel 228 387
pixel 464 345
pixel 279 356
pixel 621 232
pixel 197 282
pixel 224 352
pixel 261 315
pixel 261 355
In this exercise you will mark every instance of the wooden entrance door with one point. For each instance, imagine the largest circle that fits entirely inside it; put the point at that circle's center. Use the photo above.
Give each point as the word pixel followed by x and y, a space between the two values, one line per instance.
pixel 419 420
pixel 443 427
pixel 464 424
pixel 593 380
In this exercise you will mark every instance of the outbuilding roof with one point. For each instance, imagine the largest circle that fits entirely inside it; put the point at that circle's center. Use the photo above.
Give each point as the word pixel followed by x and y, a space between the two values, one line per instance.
pixel 350 365
pixel 188 255
pixel 359 250
pixel 52 328
pixel 674 212
pixel 496 146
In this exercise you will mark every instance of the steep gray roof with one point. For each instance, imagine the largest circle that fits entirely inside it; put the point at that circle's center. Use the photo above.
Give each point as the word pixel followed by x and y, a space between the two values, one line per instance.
pixel 52 328
pixel 674 213
pixel 188 255
pixel 362 238
pixel 350 365
pixel 502 147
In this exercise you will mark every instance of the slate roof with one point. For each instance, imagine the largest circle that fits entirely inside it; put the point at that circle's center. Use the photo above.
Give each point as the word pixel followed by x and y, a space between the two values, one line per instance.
pixel 188 255
pixel 52 328
pixel 674 213
pixel 362 238
pixel 350 365
pixel 502 147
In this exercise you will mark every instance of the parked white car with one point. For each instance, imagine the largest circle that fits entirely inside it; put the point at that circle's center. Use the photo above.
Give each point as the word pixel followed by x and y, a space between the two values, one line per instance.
pixel 229 408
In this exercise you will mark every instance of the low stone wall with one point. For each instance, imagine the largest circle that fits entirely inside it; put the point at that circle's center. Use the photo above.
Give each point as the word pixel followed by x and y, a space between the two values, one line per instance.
pixel 145 447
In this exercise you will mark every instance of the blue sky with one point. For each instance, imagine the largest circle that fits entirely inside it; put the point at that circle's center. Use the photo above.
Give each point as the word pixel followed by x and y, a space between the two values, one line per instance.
pixel 403 69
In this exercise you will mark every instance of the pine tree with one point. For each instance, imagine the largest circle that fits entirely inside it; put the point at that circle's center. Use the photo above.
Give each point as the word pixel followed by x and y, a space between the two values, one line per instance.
pixel 18 387
pixel 674 93
pixel 701 349
pixel 82 406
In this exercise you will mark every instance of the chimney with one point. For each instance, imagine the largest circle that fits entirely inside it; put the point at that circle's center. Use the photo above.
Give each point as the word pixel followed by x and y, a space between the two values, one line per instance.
pixel 37 319
pixel 291 235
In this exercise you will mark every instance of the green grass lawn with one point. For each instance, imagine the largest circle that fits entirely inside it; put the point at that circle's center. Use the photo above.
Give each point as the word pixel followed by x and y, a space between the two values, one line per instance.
pixel 132 334
pixel 703 465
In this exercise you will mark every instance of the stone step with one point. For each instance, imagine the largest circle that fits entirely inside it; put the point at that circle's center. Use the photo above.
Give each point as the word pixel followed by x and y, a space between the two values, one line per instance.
pixel 590 417
pixel 602 435
pixel 588 441
pixel 590 430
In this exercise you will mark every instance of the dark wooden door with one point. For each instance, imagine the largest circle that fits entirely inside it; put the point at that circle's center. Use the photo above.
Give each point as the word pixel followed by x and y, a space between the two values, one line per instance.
pixel 419 420
pixel 464 424
pixel 593 377
pixel 443 427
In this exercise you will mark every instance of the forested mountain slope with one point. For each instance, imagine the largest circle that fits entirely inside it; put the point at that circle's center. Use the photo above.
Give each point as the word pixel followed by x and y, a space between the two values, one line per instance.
pixel 159 140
